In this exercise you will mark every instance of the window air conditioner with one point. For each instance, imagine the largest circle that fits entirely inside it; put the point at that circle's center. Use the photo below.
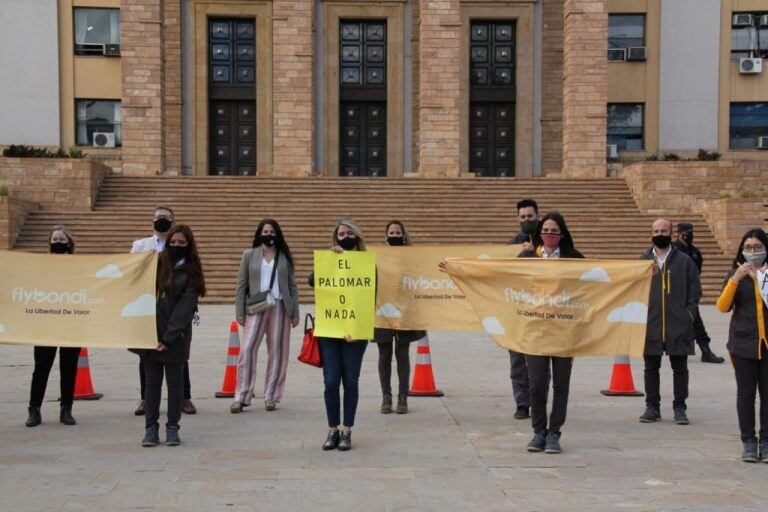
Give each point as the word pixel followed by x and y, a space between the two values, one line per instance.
pixel 89 48
pixel 111 50
pixel 612 151
pixel 103 140
pixel 762 142
pixel 636 53
pixel 617 54
pixel 743 20
pixel 750 66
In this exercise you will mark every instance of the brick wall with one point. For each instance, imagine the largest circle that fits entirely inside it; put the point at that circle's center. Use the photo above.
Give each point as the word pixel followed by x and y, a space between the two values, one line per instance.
pixel 172 101
pixel 439 82
pixel 13 213
pixel 552 87
pixel 731 218
pixel 58 184
pixel 293 114
pixel 413 165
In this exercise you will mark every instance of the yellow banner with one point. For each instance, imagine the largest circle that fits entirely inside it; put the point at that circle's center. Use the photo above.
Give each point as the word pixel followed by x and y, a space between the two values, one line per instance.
pixel 345 288
pixel 559 307
pixel 414 295
pixel 103 301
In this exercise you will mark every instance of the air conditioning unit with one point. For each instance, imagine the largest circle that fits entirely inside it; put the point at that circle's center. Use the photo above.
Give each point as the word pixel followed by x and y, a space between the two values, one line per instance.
pixel 750 66
pixel 617 54
pixel 612 151
pixel 103 140
pixel 743 20
pixel 762 142
pixel 636 53
pixel 764 20
pixel 111 50
pixel 89 48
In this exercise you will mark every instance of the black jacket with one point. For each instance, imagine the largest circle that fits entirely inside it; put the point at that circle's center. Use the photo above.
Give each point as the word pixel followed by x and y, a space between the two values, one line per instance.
pixel 572 253
pixel 672 305
pixel 743 334
pixel 692 252
pixel 174 314
pixel 520 238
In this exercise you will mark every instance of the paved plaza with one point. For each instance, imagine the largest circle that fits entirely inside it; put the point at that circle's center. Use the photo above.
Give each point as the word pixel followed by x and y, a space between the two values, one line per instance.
pixel 460 452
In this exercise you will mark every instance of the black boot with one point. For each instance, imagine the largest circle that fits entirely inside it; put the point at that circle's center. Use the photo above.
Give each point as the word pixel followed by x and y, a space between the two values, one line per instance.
pixel 65 415
pixel 764 451
pixel 707 356
pixel 34 418
pixel 332 441
pixel 402 404
pixel 651 415
pixel 386 403
pixel 345 441
pixel 750 451
pixel 538 443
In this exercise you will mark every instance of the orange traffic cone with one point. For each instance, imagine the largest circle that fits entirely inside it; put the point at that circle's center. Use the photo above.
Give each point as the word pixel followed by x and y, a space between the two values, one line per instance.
pixel 423 379
pixel 230 373
pixel 83 383
pixel 621 379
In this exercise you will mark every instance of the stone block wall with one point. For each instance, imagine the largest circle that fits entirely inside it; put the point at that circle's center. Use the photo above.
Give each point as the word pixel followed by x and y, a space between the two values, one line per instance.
pixel 13 212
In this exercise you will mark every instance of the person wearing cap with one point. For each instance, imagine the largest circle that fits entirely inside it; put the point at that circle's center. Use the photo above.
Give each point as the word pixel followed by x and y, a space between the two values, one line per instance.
pixel 684 243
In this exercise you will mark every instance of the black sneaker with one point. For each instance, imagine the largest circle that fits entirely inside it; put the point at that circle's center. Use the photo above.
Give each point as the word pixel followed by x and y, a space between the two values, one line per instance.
pixel 345 442
pixel 651 415
pixel 553 443
pixel 332 441
pixel 34 418
pixel 710 357
pixel 750 451
pixel 681 418
pixel 538 442
pixel 764 451
pixel 172 436
pixel 522 413
pixel 151 436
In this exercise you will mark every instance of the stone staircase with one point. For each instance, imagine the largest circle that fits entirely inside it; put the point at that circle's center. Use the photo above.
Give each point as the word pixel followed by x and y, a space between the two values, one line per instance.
pixel 224 212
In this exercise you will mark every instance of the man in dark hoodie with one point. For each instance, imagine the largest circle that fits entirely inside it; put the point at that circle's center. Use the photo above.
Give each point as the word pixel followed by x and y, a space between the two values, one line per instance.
pixel 684 243
pixel 528 216
pixel 674 297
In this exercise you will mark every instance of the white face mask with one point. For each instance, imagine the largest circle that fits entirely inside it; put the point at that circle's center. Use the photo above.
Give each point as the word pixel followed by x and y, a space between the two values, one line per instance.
pixel 755 258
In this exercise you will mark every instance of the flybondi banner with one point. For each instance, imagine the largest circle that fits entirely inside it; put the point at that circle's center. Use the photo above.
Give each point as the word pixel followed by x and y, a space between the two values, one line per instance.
pixel 78 301
pixel 413 294
pixel 559 307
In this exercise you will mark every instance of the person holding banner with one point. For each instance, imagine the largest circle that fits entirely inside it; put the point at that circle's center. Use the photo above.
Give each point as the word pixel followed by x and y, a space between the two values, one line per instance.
pixel 673 301
pixel 528 216
pixel 265 268
pixel 342 357
pixel 59 242
pixel 552 241
pixel 745 294
pixel 385 338
pixel 180 283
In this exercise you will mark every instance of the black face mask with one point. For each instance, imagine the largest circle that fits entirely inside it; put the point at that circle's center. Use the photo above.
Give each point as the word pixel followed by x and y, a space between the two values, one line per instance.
pixel 688 237
pixel 529 227
pixel 662 241
pixel 59 248
pixel 348 243
pixel 268 240
pixel 162 225
pixel 177 251
pixel 396 240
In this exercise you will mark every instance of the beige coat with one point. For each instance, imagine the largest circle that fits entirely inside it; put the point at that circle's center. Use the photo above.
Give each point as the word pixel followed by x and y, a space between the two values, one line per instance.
pixel 249 277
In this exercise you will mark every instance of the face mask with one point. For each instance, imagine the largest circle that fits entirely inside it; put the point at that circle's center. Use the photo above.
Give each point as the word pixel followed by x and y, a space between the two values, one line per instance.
pixel 755 258
pixel 551 240
pixel 162 225
pixel 348 243
pixel 662 241
pixel 529 226
pixel 177 251
pixel 688 237
pixel 396 240
pixel 59 248
pixel 268 240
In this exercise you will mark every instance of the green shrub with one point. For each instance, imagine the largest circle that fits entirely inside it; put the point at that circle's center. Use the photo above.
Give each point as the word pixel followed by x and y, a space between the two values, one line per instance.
pixel 706 156
pixel 671 157
pixel 652 158
pixel 750 193
pixel 725 195
pixel 22 151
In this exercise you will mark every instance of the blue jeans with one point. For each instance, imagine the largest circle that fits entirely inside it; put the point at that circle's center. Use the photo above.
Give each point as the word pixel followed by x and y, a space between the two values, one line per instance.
pixel 341 364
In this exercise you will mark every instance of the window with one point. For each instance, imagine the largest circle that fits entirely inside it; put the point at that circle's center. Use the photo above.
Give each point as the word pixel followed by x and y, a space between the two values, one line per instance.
pixel 625 126
pixel 626 30
pixel 749 35
pixel 748 122
pixel 94 28
pixel 95 116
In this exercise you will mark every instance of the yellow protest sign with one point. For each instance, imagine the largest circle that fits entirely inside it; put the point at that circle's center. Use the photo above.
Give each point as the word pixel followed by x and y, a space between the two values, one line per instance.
pixel 345 288
pixel 78 301
pixel 559 307
pixel 414 295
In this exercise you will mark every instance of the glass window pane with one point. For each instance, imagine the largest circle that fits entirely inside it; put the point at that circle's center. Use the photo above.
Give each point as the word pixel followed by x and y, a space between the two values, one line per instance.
pixel 626 25
pixel 741 38
pixel 97 26
pixel 97 116
pixel 747 122
pixel 625 116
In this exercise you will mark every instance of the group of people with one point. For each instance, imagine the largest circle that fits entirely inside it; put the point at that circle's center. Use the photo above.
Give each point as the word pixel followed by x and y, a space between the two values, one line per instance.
pixel 267 306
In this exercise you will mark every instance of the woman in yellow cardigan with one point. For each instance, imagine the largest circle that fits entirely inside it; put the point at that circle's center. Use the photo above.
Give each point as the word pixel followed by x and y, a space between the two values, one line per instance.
pixel 745 292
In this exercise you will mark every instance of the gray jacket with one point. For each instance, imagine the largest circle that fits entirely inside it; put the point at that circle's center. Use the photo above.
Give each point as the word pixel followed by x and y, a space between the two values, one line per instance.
pixel 249 280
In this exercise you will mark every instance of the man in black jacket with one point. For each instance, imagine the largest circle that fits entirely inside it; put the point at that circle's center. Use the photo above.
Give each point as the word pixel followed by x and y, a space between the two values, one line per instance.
pixel 684 243
pixel 673 300
pixel 528 216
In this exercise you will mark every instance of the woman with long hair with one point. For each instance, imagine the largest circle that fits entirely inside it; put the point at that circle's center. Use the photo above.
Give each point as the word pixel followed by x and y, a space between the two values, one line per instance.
pixel 265 268
pixel 180 284
pixel 59 242
pixel 745 293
